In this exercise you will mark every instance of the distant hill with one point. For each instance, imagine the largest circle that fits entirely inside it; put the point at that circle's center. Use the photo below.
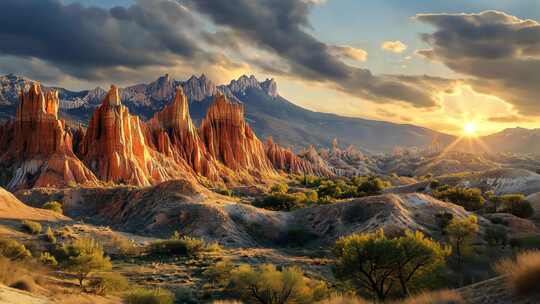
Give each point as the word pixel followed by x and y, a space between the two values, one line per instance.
pixel 267 112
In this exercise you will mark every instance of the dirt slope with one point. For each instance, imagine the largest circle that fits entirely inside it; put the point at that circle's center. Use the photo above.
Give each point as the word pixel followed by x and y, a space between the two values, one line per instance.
pixel 13 209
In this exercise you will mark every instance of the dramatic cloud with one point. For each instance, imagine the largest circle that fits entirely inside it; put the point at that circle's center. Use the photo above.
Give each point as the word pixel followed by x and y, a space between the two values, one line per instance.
pixel 397 46
pixel 499 51
pixel 280 26
pixel 87 42
pixel 348 52
pixel 509 119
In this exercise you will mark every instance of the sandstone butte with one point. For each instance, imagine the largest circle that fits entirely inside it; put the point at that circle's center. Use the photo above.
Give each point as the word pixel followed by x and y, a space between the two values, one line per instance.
pixel 173 133
pixel 285 160
pixel 231 141
pixel 38 148
pixel 115 149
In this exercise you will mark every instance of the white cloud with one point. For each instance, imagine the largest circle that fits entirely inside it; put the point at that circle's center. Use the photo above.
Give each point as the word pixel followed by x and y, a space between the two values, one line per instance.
pixel 394 46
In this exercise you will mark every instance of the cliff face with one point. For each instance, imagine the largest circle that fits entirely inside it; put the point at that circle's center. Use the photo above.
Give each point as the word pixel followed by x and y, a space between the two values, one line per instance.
pixel 115 149
pixel 230 140
pixel 285 160
pixel 175 135
pixel 40 150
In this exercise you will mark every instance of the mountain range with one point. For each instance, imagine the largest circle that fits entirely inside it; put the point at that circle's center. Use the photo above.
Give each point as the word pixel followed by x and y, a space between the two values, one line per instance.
pixel 267 112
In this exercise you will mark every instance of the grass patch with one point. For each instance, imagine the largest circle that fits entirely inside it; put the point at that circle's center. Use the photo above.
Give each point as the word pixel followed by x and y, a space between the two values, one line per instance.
pixel 523 273
pixel 187 246
pixel 149 296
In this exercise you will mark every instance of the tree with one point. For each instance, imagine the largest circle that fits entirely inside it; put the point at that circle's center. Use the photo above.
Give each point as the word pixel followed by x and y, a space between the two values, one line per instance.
pixel 280 188
pixel 461 233
pixel 376 263
pixel 418 255
pixel 267 285
pixel 515 204
pixel 470 199
pixel 372 186
pixel 84 256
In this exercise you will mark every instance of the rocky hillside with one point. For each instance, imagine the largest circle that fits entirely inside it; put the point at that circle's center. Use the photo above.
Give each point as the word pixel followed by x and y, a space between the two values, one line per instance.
pixel 268 113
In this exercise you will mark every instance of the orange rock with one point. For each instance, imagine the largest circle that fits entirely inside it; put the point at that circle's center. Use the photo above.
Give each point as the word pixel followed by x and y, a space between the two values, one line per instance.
pixel 175 135
pixel 287 161
pixel 230 140
pixel 115 149
pixel 40 150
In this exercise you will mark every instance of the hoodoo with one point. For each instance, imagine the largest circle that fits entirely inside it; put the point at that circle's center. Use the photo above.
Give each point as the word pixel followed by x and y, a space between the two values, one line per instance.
pixel 39 149
pixel 230 140
pixel 285 160
pixel 114 148
pixel 174 134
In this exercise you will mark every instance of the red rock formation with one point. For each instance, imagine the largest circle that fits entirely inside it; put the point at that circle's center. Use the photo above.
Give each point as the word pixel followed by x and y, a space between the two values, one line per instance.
pixel 114 147
pixel 40 151
pixel 287 161
pixel 175 135
pixel 230 140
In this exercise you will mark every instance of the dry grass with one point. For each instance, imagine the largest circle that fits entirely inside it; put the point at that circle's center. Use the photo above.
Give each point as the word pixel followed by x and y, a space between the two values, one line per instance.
pixel 26 284
pixel 342 299
pixel 435 297
pixel 523 274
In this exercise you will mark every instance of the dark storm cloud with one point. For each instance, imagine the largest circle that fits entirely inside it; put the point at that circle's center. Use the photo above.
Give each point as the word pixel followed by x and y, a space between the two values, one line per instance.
pixel 500 52
pixel 85 42
pixel 280 26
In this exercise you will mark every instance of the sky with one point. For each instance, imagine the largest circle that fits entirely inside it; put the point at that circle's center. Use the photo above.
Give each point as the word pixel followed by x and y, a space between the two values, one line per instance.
pixel 438 64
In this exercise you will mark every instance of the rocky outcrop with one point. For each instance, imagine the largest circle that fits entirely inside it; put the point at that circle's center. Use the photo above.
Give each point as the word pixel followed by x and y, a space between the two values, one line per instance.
pixel 199 88
pixel 230 140
pixel 285 160
pixel 115 149
pixel 40 151
pixel 175 135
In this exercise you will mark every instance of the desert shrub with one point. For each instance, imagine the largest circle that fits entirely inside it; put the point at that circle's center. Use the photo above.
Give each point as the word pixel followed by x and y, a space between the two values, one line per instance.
pixel 372 186
pixel 185 295
pixel 523 273
pixel 282 201
pixel 14 250
pixel 443 220
pixel 530 242
pixel 461 233
pixel 47 259
pixel 470 199
pixel 53 206
pixel 219 272
pixel 49 236
pixel 496 235
pixel 267 285
pixel 31 226
pixel 124 245
pixel 311 196
pixel 149 296
pixel 108 282
pixel 515 204
pixel 434 184
pixel 84 256
pixel 280 188
pixel 26 284
pixel 187 246
pixel 344 299
pixel 377 264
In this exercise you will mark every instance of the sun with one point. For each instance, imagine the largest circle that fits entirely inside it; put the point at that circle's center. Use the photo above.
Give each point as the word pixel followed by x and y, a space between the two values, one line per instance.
pixel 470 129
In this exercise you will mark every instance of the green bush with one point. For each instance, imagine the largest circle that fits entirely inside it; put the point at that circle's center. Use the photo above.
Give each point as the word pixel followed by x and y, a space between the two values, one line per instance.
pixel 219 272
pixel 280 188
pixel 13 250
pixel 470 199
pixel 443 220
pixel 265 284
pixel 380 265
pixel 282 201
pixel 47 259
pixel 54 206
pixel 515 204
pixel 108 282
pixel 225 191
pixel 31 226
pixel 147 296
pixel 84 256
pixel 372 186
pixel 49 236
pixel 187 246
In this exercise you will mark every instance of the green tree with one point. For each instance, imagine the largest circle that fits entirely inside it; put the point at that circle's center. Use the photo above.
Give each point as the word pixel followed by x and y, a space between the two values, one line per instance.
pixel 515 204
pixel 372 186
pixel 280 188
pixel 84 256
pixel 470 199
pixel 461 233
pixel 267 285
pixel 375 263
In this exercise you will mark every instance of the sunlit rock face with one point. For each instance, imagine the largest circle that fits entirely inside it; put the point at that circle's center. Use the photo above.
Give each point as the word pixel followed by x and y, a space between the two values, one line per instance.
pixel 39 149
pixel 173 133
pixel 115 149
pixel 231 141
pixel 285 160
